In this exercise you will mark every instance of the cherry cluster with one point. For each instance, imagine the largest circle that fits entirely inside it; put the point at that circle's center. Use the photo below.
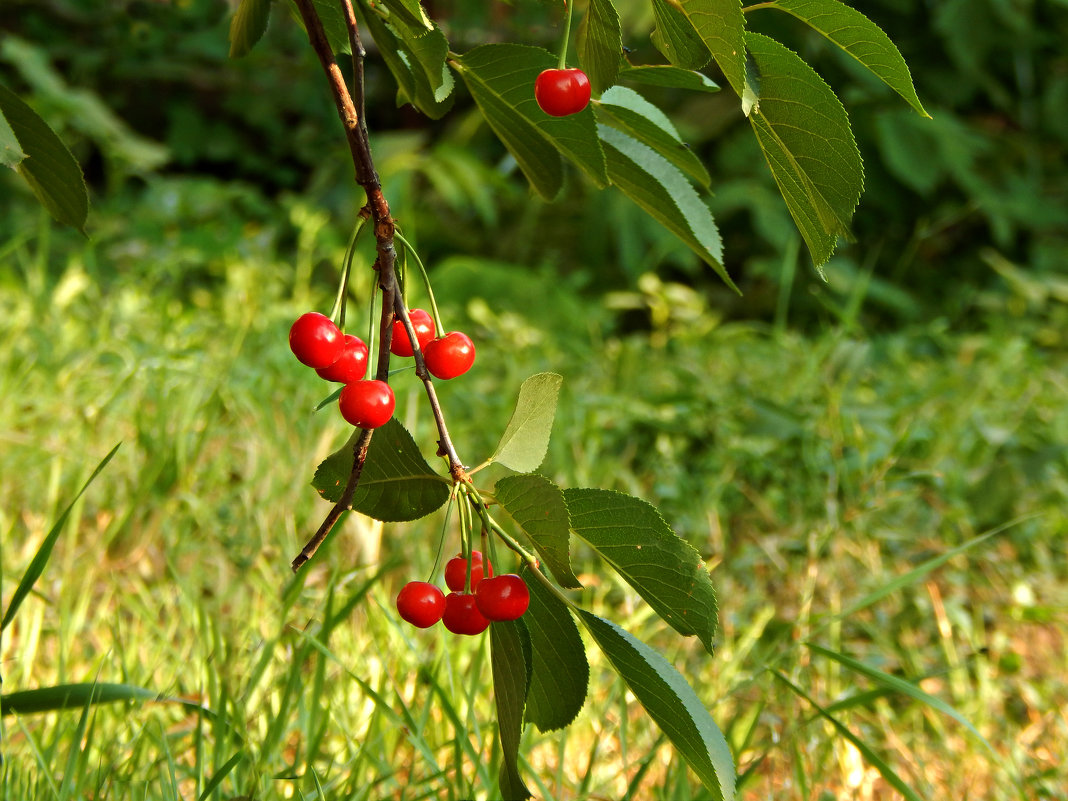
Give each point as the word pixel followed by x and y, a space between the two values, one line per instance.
pixel 470 607
pixel 368 403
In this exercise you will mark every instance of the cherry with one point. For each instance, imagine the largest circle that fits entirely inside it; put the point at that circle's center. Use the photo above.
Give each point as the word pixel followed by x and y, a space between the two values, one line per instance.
pixel 504 597
pixel 461 615
pixel 561 92
pixel 423 324
pixel 350 366
pixel 421 604
pixel 456 571
pixel 315 340
pixel 367 404
pixel 450 355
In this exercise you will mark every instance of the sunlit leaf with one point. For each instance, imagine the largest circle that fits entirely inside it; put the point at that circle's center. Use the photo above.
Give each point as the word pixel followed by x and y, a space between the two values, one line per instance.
pixel 525 439
pixel 631 113
pixel 721 27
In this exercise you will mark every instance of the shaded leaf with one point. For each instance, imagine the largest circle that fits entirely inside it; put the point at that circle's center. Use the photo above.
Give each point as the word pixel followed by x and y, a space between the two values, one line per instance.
pixel 860 38
pixel 501 79
pixel 669 76
pixel 11 154
pixel 396 484
pixel 511 660
pixel 40 559
pixel 537 506
pixel 337 33
pixel 248 25
pixel 884 769
pixel 660 188
pixel 807 140
pixel 674 36
pixel 670 701
pixel 560 674
pixel 600 44
pixel 628 111
pixel 525 439
pixel 664 569
pixel 721 27
pixel 48 167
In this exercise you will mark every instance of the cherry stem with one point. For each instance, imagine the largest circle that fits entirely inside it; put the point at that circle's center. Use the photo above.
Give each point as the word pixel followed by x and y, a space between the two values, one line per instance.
pixel 570 5
pixel 438 327
pixel 337 313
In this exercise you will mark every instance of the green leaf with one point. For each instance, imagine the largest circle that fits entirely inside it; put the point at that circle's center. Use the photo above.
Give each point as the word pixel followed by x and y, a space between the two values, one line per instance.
pixel 560 674
pixel 396 484
pixel 411 12
pixel 901 686
pixel 526 437
pixel 666 571
pixel 884 770
pixel 721 26
pixel 671 702
pixel 676 38
pixel 537 506
pixel 417 60
pixel 510 657
pixel 600 44
pixel 248 25
pixel 629 112
pixel 11 153
pixel 670 77
pixel 805 134
pixel 337 32
pixel 501 79
pixel 860 38
pixel 48 166
pixel 40 559
pixel 660 188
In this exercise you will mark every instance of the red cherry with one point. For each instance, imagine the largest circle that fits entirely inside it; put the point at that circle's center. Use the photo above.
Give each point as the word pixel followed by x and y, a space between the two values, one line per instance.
pixel 315 340
pixel 449 356
pixel 350 366
pixel 461 615
pixel 421 604
pixel 503 597
pixel 423 324
pixel 367 404
pixel 562 92
pixel 456 571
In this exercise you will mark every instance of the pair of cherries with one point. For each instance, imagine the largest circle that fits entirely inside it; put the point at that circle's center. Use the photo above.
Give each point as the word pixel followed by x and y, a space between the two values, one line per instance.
pixel 492 598
pixel 446 357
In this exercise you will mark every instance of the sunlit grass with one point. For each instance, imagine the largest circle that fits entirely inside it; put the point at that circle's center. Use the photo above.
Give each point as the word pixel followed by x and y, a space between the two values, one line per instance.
pixel 811 472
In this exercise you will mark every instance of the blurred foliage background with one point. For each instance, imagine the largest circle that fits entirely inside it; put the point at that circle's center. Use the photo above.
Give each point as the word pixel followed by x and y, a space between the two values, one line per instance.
pixel 954 207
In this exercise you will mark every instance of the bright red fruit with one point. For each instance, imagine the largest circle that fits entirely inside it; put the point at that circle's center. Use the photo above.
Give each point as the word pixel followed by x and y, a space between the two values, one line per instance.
pixel 350 366
pixel 423 324
pixel 449 356
pixel 456 571
pixel 503 597
pixel 461 615
pixel 315 340
pixel 367 404
pixel 421 604
pixel 562 92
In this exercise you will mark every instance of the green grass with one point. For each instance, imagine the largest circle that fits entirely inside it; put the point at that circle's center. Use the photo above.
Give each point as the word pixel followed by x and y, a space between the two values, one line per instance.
pixel 837 485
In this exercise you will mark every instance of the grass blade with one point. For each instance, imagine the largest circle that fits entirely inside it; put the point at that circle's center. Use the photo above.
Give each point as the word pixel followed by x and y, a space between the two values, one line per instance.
pixel 40 559
pixel 874 759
